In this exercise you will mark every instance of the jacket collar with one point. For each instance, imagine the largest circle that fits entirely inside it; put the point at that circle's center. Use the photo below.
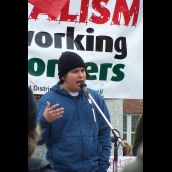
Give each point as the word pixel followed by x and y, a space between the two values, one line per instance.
pixel 60 90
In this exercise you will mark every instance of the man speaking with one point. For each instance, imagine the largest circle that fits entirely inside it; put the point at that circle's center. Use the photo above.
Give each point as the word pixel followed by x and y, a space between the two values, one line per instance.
pixel 76 135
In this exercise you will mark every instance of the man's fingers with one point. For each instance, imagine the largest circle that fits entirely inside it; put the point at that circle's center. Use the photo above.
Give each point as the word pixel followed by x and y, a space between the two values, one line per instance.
pixel 50 112
pixel 57 112
pixel 52 115
pixel 54 106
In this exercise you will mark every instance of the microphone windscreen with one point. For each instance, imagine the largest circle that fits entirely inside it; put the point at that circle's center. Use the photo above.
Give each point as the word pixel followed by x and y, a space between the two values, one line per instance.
pixel 83 85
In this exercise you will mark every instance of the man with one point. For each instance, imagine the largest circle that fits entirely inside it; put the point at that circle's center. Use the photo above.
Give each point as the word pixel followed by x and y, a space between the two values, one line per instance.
pixel 75 140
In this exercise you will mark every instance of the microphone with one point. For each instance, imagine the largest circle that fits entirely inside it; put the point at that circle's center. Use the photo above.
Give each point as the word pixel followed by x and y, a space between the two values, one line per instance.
pixel 83 87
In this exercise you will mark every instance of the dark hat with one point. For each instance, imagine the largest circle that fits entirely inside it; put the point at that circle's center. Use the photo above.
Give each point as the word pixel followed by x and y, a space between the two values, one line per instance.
pixel 69 61
pixel 32 110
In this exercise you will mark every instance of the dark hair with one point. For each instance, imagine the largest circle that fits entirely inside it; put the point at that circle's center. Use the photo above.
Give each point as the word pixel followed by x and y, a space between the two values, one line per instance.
pixel 32 110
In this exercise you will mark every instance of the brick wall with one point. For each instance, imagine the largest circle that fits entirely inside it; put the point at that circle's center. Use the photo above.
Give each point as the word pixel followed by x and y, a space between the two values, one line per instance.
pixel 133 106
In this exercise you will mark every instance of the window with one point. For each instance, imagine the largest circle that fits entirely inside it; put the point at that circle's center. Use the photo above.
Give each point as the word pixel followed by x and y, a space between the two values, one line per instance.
pixel 129 126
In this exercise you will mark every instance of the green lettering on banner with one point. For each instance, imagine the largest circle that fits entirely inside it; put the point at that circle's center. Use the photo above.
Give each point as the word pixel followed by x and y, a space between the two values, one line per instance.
pixel 93 69
pixel 104 70
pixel 51 67
pixel 40 66
pixel 36 67
pixel 119 74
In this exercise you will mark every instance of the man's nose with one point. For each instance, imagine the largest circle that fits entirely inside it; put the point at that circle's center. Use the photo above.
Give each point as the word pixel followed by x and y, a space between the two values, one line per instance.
pixel 80 73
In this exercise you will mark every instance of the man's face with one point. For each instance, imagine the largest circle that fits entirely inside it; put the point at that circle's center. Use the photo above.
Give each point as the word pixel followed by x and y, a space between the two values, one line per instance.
pixel 73 79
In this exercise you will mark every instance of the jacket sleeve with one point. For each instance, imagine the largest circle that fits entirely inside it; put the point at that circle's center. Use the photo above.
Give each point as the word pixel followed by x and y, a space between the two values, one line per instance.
pixel 104 139
pixel 45 125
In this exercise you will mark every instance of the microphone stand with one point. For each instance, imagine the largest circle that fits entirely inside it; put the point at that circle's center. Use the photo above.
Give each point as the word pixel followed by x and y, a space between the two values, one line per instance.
pixel 115 139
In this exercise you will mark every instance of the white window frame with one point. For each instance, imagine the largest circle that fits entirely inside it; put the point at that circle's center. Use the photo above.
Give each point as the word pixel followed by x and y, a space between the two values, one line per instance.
pixel 129 131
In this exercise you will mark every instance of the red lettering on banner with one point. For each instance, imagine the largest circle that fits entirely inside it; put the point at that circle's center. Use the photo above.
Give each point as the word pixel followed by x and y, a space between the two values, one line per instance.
pixel 34 13
pixel 120 8
pixel 84 11
pixel 105 13
pixel 65 16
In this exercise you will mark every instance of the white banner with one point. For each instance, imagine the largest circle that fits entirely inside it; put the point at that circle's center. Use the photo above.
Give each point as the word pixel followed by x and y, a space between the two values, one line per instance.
pixel 107 34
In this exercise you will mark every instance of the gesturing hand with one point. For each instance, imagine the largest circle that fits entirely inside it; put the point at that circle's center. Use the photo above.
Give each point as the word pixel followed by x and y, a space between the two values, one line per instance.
pixel 51 113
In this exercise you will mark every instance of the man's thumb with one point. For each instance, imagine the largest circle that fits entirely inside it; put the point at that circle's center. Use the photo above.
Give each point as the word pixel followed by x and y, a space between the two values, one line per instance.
pixel 48 104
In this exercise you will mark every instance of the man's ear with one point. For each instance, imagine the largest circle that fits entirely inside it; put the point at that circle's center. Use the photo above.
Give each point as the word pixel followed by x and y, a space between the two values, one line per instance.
pixel 63 77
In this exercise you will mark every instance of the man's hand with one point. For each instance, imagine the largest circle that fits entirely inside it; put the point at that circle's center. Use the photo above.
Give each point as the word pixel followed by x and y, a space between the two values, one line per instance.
pixel 51 113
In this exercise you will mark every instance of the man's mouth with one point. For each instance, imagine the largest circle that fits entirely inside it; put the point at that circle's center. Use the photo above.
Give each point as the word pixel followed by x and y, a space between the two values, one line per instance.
pixel 79 82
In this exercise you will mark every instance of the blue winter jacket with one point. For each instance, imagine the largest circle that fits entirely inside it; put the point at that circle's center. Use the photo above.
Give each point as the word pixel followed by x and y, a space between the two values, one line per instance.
pixel 75 142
